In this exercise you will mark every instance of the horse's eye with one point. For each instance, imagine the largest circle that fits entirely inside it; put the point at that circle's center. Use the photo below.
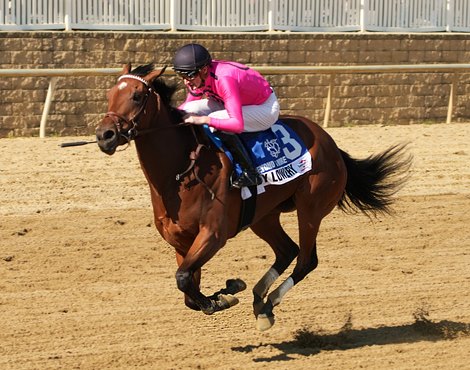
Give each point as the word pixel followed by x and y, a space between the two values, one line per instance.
pixel 137 97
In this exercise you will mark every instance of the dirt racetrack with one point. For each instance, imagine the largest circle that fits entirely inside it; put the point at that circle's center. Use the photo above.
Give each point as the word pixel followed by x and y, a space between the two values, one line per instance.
pixel 86 282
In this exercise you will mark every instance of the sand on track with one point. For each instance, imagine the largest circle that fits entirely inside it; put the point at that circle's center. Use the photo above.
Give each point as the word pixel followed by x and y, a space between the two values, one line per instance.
pixel 86 282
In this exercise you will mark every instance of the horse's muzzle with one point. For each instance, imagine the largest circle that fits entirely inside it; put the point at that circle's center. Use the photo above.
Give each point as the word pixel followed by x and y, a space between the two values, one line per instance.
pixel 108 138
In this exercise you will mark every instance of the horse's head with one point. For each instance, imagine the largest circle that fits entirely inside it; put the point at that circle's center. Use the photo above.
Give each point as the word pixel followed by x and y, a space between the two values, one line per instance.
pixel 130 106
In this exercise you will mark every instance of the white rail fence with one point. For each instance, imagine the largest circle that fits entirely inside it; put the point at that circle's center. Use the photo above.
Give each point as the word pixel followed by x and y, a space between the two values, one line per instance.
pixel 238 15
pixel 332 71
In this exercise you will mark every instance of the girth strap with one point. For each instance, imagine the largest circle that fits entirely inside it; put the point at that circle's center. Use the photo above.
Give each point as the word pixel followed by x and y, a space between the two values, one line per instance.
pixel 248 208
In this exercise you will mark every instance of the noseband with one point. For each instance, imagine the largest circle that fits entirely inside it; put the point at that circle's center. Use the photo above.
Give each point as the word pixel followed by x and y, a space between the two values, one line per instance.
pixel 117 118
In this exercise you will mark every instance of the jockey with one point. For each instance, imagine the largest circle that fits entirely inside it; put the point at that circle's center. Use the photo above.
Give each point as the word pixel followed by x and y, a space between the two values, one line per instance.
pixel 229 97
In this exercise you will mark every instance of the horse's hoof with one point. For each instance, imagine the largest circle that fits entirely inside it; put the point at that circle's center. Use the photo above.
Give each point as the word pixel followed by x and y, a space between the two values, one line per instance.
pixel 211 309
pixel 225 301
pixel 235 285
pixel 264 322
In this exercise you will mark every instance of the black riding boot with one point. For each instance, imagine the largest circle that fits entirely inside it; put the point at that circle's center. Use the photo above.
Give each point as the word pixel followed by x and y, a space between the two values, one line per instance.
pixel 249 176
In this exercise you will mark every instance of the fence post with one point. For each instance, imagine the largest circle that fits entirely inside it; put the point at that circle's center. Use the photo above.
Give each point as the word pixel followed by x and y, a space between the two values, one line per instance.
pixel 452 97
pixel 68 16
pixel 47 106
pixel 450 13
pixel 363 14
pixel 270 15
pixel 173 15
pixel 326 119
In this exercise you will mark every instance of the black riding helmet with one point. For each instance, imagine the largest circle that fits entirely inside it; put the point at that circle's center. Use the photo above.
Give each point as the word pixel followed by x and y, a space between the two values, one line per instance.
pixel 191 57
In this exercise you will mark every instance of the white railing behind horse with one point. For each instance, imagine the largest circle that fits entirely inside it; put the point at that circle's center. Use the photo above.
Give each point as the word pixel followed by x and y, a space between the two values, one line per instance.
pixel 333 71
pixel 237 15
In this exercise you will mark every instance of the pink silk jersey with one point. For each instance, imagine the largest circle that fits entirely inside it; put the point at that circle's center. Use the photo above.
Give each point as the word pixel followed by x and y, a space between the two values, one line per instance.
pixel 234 85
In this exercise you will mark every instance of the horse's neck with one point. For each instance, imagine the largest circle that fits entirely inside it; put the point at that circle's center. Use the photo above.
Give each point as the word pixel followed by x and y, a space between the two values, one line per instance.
pixel 163 154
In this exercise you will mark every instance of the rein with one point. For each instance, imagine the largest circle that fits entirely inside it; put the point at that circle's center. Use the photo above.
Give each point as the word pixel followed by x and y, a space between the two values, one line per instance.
pixel 133 132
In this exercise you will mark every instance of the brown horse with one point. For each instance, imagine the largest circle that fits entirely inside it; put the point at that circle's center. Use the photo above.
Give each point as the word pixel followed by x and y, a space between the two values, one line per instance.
pixel 196 211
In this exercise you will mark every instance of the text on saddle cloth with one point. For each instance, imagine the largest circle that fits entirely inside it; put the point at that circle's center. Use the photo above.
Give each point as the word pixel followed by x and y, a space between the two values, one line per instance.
pixel 278 154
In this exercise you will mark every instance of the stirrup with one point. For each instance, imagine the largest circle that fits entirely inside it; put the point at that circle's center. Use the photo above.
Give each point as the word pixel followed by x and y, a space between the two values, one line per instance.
pixel 246 179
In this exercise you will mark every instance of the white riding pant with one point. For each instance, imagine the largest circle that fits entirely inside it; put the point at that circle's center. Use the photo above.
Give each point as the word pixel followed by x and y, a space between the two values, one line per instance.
pixel 256 117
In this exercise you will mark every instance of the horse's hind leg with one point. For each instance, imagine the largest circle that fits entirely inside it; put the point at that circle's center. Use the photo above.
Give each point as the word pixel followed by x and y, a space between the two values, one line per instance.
pixel 307 261
pixel 285 249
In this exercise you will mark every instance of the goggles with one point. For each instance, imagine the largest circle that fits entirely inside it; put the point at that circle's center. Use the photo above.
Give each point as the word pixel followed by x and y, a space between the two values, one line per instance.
pixel 187 75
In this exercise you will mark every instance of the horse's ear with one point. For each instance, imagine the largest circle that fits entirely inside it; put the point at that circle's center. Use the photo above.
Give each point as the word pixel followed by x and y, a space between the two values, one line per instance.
pixel 155 74
pixel 126 68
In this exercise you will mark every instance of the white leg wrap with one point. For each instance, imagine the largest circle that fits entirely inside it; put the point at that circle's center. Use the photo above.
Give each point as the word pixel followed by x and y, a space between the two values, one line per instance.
pixel 276 296
pixel 262 287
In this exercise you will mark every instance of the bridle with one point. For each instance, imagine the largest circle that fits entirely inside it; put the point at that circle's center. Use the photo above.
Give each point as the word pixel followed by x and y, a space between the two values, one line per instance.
pixel 133 123
pixel 133 132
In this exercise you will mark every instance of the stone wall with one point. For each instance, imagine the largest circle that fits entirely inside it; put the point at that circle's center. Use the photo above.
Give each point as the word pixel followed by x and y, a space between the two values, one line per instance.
pixel 358 99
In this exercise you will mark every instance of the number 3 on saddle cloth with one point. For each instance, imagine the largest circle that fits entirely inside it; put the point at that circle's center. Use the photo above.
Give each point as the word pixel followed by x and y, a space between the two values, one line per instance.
pixel 278 155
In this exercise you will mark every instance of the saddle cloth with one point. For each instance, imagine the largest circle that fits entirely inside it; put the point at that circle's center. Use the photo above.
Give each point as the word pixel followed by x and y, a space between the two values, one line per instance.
pixel 278 155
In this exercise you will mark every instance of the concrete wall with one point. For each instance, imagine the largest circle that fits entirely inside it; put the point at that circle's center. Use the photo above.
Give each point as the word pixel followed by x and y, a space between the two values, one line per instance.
pixel 358 99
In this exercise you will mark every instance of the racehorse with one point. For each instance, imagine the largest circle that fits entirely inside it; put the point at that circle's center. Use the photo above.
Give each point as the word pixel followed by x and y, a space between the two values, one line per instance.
pixel 196 211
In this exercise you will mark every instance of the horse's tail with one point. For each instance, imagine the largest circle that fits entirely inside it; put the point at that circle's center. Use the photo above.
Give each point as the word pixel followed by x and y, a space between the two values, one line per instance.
pixel 373 181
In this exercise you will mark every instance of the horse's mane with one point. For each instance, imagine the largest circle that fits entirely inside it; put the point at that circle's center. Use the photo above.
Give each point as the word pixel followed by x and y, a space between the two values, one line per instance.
pixel 166 91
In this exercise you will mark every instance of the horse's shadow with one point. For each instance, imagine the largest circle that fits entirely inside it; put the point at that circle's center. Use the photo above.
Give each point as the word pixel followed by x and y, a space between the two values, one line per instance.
pixel 308 343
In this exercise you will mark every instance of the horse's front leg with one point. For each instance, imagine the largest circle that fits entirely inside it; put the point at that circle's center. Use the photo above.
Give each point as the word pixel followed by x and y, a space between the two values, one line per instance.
pixel 205 246
pixel 197 280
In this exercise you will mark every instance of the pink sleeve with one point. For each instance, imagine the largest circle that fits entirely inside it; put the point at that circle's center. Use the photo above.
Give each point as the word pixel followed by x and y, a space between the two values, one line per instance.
pixel 229 91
